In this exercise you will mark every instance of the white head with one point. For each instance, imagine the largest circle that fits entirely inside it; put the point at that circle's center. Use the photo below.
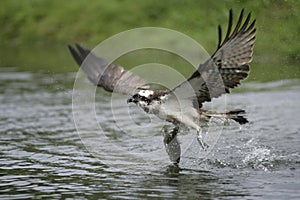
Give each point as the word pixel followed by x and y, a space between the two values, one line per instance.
pixel 143 98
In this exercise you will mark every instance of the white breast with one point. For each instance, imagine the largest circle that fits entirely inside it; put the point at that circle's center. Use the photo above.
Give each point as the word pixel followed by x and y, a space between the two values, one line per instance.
pixel 182 111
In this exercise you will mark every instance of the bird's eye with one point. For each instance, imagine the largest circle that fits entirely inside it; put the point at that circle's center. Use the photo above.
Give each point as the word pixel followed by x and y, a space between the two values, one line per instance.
pixel 136 96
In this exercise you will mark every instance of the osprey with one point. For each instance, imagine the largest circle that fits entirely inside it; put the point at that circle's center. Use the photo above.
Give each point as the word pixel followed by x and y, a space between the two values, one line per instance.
pixel 182 106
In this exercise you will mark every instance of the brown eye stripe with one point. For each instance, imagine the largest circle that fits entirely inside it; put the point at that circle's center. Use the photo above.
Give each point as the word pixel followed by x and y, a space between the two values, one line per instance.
pixel 136 96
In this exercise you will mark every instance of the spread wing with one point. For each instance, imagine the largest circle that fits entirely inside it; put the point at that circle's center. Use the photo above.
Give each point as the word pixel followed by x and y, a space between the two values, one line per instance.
pixel 226 67
pixel 111 77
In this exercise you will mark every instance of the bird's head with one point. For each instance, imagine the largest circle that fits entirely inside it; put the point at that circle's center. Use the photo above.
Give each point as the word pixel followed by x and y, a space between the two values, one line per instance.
pixel 143 98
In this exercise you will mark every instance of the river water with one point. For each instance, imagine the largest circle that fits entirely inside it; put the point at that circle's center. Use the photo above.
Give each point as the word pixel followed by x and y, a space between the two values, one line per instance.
pixel 43 156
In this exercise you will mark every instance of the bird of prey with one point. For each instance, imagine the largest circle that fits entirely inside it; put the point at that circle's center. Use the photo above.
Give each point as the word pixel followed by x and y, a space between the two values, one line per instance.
pixel 229 63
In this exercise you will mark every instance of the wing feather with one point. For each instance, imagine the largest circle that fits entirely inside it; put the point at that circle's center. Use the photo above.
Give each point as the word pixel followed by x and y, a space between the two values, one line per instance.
pixel 222 71
pixel 227 66
pixel 111 77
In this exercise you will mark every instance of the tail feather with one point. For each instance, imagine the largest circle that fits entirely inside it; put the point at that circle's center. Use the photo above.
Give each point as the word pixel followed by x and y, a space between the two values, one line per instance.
pixel 237 115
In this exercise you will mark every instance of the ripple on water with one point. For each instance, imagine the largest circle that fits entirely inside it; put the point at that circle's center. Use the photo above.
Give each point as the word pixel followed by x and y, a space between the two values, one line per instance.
pixel 42 156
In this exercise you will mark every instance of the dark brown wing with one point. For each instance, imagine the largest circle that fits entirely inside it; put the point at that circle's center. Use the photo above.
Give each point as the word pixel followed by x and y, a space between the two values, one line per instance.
pixel 111 77
pixel 227 66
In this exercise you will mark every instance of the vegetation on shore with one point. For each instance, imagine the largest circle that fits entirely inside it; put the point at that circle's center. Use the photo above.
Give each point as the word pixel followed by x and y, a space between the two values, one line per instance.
pixel 34 33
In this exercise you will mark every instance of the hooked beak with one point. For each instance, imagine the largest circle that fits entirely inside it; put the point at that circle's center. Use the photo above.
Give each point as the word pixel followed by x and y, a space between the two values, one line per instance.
pixel 131 100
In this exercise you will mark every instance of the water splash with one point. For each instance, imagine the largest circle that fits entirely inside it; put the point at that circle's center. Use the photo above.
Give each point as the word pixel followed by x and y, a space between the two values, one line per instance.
pixel 259 158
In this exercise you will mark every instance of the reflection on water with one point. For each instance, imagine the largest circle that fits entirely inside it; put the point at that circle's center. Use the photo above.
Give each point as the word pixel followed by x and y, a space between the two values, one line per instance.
pixel 41 154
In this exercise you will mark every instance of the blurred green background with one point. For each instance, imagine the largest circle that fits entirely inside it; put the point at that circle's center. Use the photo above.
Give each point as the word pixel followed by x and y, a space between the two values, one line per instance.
pixel 34 33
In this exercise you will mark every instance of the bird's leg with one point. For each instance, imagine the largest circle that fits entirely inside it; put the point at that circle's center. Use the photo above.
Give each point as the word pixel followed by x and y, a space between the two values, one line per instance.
pixel 172 144
pixel 202 143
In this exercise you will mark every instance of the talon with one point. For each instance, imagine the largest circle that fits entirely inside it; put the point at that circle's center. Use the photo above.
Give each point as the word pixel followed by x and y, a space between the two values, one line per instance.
pixel 169 136
pixel 203 144
pixel 200 140
pixel 165 129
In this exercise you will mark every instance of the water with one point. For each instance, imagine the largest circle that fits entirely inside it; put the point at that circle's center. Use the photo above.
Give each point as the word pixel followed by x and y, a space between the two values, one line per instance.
pixel 42 155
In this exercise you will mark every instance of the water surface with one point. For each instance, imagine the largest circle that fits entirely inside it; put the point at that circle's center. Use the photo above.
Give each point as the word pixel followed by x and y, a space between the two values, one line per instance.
pixel 42 155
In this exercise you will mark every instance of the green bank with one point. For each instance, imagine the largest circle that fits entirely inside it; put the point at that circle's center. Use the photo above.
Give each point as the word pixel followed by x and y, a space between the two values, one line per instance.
pixel 34 33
